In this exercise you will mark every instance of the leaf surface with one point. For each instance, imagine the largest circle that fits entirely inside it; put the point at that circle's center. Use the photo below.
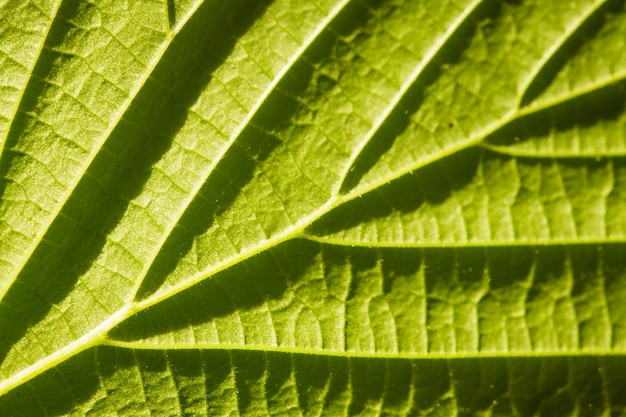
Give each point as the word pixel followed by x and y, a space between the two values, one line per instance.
pixel 380 207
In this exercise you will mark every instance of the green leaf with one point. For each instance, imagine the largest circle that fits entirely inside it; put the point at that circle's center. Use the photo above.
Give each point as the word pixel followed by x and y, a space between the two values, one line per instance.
pixel 286 207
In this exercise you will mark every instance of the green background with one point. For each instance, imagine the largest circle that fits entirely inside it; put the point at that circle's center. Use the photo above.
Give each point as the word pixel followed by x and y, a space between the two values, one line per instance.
pixel 290 207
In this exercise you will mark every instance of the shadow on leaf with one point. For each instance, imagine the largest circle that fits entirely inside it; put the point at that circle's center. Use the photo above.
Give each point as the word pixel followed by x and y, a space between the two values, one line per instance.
pixel 400 117
pixel 588 110
pixel 430 185
pixel 110 381
pixel 121 169
pixel 263 142
pixel 585 31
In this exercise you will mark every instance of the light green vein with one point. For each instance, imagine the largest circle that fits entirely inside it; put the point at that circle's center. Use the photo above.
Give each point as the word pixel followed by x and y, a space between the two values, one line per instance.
pixel 21 95
pixel 467 244
pixel 401 93
pixel 98 335
pixel 237 133
pixel 94 337
pixel 298 229
pixel 556 46
pixel 105 134
pixel 355 354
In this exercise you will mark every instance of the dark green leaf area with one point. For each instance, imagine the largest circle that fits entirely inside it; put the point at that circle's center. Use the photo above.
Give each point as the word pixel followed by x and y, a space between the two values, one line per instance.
pixel 401 303
pixel 253 383
pixel 479 197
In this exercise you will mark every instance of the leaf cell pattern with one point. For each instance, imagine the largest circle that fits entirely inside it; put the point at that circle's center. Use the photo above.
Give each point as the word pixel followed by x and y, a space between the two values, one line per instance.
pixel 331 207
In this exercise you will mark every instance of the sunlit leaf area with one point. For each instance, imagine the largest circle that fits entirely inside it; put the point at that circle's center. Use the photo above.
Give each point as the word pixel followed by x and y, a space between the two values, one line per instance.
pixel 312 208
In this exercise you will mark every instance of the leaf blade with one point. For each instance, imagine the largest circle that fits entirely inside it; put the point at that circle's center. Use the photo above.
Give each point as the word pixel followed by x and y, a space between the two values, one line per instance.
pixel 219 212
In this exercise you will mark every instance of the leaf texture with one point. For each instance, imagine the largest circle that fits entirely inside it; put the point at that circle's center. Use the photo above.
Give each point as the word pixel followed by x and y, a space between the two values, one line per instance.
pixel 337 207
